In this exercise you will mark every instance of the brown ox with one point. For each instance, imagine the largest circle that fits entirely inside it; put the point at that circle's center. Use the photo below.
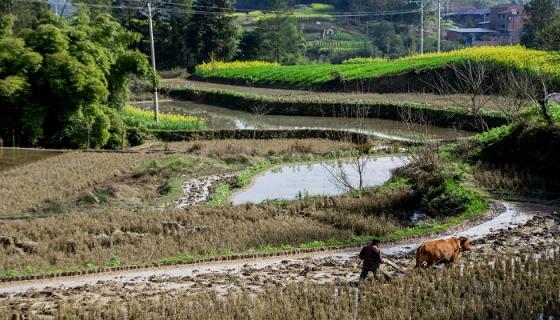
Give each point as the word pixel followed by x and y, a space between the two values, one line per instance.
pixel 441 251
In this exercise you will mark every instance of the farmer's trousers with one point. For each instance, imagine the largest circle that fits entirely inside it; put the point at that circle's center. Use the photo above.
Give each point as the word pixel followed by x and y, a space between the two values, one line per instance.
pixel 375 271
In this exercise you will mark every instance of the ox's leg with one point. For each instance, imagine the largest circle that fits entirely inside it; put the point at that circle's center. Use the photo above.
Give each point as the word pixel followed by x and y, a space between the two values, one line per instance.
pixel 419 260
pixel 421 264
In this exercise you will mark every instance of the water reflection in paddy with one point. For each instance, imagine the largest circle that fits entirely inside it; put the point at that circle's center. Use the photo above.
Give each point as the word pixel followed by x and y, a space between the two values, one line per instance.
pixel 223 118
pixel 12 157
pixel 291 181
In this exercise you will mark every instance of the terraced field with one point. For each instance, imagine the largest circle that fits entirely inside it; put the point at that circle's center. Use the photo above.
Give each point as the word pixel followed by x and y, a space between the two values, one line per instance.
pixel 317 76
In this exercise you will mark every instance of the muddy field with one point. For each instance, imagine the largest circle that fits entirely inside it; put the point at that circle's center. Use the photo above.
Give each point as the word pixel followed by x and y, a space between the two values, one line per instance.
pixel 540 235
pixel 140 234
pixel 436 100
pixel 13 157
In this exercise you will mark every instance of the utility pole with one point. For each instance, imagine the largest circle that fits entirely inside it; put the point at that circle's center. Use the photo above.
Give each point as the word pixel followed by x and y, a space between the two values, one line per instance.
pixel 439 26
pixel 156 102
pixel 422 27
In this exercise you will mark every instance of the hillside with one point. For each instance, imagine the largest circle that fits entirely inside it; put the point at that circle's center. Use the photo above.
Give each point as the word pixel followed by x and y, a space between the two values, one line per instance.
pixel 334 76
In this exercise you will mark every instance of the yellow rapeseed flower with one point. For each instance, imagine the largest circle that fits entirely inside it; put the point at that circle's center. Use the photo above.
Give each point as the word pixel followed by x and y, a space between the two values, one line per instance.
pixel 220 65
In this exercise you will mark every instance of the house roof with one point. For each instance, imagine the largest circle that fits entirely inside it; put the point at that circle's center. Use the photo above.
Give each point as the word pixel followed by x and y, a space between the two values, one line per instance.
pixel 471 30
pixel 508 8
pixel 465 11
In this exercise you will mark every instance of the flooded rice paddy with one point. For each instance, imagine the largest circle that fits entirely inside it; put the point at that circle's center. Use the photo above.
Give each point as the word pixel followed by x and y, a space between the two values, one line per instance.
pixel 13 157
pixel 223 118
pixel 296 181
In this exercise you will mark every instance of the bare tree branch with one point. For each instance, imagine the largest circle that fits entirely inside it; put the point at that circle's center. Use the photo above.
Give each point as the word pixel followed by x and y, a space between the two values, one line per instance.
pixel 339 169
pixel 259 109
pixel 469 78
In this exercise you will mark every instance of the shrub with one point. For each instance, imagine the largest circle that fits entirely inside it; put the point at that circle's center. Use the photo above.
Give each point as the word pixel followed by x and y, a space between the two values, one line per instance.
pixel 87 128
pixel 450 198
pixel 117 132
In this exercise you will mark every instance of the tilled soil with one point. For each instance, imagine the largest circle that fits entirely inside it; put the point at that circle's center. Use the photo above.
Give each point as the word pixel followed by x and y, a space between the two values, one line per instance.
pixel 541 235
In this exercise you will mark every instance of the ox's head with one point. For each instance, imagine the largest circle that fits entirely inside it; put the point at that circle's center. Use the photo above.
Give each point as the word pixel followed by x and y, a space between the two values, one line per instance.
pixel 465 244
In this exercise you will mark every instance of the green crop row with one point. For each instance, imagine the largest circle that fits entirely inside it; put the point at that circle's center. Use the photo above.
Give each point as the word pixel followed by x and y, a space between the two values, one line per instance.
pixel 337 44
pixel 515 58
pixel 299 16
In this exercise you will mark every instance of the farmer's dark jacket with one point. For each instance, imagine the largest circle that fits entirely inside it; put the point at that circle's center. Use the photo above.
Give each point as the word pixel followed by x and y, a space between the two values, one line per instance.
pixel 371 256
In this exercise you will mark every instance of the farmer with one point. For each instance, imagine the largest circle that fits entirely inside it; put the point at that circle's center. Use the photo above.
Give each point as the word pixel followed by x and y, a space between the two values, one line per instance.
pixel 372 260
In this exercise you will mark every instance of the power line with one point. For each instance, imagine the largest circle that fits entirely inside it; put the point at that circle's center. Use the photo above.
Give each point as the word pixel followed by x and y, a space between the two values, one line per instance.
pixel 210 13
pixel 333 14
pixel 372 14
pixel 90 5
pixel 274 11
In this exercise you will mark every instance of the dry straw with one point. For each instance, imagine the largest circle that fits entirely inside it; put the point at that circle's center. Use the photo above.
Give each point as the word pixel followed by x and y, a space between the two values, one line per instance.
pixel 58 177
pixel 136 236
pixel 474 291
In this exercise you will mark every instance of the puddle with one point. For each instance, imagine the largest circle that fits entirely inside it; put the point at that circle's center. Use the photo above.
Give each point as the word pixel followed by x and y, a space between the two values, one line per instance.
pixel 512 216
pixel 296 181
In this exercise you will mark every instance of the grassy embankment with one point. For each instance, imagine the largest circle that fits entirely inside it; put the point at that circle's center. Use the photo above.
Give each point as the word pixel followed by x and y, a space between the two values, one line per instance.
pixel 514 58
pixel 119 235
pixel 509 288
pixel 520 159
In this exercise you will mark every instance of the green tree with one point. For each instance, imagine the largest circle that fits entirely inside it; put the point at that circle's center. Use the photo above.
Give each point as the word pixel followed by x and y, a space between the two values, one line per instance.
pixel 249 46
pixel 213 34
pixel 170 21
pixel 386 38
pixel 89 127
pixel 27 14
pixel 550 37
pixel 278 5
pixel 59 80
pixel 275 39
pixel 16 62
pixel 540 14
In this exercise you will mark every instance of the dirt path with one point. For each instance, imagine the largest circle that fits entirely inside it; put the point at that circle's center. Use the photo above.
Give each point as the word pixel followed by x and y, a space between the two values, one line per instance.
pixel 432 99
pixel 517 229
